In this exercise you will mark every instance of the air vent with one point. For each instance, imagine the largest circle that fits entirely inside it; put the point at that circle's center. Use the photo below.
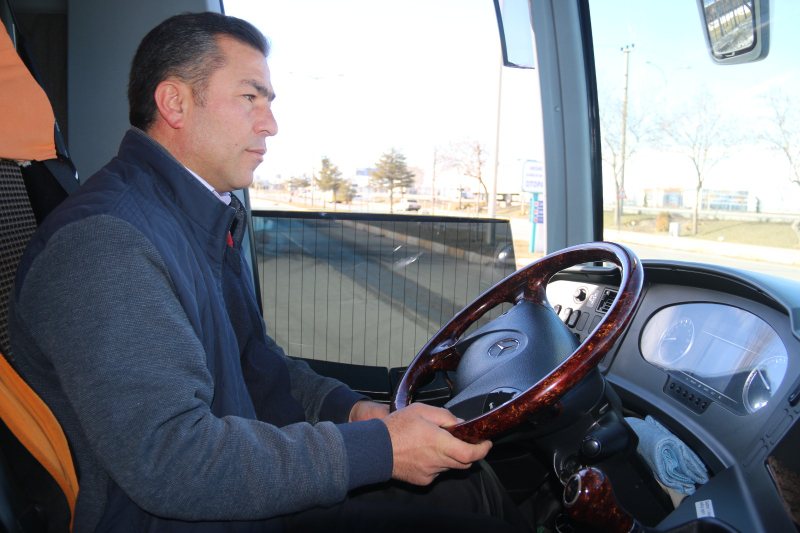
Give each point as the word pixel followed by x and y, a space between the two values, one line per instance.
pixel 606 300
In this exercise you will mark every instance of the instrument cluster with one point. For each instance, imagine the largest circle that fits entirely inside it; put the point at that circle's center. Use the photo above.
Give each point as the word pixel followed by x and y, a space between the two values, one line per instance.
pixel 728 354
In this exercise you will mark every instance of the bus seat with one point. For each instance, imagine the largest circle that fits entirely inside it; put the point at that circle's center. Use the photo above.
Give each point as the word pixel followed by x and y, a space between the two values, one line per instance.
pixel 34 453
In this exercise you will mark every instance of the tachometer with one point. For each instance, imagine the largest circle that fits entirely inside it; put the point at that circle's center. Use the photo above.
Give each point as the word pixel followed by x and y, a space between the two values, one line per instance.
pixel 676 341
pixel 763 381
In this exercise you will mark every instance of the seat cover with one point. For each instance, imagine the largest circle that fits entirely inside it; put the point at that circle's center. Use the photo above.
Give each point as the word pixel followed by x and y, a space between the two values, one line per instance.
pixel 32 422
pixel 27 126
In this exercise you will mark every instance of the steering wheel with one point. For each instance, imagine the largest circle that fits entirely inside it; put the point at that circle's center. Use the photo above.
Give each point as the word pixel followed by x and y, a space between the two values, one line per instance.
pixel 529 284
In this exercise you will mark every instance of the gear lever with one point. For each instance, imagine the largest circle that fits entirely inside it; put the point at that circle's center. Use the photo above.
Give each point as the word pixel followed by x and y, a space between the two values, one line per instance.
pixel 590 501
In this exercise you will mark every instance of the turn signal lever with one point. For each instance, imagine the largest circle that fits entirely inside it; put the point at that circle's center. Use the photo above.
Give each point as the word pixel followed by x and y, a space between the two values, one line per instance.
pixel 590 501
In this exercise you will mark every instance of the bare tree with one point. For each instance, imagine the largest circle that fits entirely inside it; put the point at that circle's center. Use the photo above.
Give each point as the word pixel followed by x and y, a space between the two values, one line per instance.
pixel 783 129
pixel 699 132
pixel 782 133
pixel 468 158
pixel 640 132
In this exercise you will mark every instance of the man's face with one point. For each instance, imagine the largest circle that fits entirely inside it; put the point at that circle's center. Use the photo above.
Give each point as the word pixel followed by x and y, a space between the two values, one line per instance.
pixel 226 135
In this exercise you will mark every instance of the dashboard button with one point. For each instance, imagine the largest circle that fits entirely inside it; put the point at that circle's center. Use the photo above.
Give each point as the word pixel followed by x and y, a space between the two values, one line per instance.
pixel 557 309
pixel 582 321
pixel 573 319
pixel 565 314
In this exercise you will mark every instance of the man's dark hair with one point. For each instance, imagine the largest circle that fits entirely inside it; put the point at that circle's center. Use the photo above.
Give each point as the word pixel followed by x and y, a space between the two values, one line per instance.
pixel 183 47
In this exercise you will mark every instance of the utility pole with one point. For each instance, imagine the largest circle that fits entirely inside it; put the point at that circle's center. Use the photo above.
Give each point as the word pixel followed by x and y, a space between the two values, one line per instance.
pixel 433 181
pixel 492 200
pixel 627 51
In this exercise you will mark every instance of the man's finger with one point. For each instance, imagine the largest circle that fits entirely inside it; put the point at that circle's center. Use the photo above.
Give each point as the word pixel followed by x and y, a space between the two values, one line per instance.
pixel 465 453
pixel 436 415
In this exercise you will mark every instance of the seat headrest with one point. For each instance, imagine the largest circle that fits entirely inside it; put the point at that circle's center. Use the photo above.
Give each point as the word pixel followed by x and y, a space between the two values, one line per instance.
pixel 26 130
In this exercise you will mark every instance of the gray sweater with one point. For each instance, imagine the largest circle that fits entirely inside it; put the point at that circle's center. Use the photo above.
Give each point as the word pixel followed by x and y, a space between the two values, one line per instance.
pixel 100 332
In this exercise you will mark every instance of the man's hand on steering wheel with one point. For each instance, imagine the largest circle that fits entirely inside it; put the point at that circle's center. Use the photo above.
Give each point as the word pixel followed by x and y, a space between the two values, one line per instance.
pixel 422 448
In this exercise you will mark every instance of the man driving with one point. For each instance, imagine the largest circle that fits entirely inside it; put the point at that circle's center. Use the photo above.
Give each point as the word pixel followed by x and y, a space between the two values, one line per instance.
pixel 134 317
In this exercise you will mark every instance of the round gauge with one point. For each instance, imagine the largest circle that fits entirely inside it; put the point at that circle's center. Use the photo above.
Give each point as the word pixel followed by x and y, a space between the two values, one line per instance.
pixel 763 381
pixel 676 341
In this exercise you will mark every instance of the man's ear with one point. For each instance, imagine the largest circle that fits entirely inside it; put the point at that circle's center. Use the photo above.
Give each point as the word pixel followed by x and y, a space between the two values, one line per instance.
pixel 172 99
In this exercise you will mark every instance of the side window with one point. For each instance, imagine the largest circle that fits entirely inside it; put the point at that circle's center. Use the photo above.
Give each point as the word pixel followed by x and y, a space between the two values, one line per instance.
pixel 372 292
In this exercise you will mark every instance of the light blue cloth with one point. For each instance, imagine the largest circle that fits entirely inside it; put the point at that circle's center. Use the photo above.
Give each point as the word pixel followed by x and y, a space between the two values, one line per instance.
pixel 673 462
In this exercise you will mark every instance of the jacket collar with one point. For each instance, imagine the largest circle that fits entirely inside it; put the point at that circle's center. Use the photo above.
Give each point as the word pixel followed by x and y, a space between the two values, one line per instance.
pixel 198 203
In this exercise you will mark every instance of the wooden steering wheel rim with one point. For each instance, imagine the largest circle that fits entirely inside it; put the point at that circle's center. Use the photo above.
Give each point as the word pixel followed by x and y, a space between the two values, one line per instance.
pixel 529 283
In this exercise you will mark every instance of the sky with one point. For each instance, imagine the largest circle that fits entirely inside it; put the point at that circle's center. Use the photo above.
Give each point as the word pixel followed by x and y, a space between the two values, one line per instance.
pixel 354 79
pixel 357 77
pixel 670 64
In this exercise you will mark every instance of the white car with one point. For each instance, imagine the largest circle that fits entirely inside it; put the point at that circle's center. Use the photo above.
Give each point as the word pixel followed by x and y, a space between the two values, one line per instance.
pixel 407 204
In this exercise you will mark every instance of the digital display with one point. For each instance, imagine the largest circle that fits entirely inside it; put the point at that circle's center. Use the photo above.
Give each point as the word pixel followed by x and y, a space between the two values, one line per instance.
pixel 712 366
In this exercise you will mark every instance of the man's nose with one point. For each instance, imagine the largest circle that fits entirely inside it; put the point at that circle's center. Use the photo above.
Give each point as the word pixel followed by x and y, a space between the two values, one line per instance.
pixel 266 123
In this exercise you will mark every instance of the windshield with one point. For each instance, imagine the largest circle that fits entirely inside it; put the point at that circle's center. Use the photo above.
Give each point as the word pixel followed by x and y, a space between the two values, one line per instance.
pixel 710 169
pixel 365 85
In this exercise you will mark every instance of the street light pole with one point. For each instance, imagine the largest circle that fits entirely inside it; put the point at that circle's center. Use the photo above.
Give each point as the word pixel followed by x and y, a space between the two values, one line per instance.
pixel 433 181
pixel 627 51
pixel 493 189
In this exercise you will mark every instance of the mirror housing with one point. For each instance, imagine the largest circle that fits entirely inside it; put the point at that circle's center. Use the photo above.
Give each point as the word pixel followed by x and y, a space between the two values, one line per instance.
pixel 516 33
pixel 736 31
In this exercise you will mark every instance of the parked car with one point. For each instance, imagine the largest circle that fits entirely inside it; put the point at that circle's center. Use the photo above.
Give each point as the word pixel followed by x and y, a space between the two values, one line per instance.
pixel 407 204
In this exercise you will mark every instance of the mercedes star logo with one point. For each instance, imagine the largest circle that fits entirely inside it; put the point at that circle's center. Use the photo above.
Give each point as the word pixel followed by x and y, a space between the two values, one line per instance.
pixel 503 347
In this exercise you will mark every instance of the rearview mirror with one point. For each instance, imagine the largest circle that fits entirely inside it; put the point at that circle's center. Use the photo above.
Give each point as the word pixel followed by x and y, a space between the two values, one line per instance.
pixel 516 35
pixel 736 31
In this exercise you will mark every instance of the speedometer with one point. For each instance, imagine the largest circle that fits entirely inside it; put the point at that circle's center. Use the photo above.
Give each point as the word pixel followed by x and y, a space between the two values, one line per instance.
pixel 763 381
pixel 676 341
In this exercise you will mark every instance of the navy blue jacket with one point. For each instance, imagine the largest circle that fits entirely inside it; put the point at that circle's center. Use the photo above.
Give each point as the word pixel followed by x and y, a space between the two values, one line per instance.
pixel 136 322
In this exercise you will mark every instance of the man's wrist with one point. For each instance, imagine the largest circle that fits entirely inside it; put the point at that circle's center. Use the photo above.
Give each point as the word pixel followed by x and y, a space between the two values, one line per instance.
pixel 338 405
pixel 366 409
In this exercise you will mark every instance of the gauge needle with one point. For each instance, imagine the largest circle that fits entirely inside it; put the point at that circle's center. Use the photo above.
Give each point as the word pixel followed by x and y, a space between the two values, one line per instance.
pixel 670 338
pixel 763 378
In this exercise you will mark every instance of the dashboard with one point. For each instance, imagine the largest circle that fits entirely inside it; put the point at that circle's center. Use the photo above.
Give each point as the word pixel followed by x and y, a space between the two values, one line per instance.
pixel 714 355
